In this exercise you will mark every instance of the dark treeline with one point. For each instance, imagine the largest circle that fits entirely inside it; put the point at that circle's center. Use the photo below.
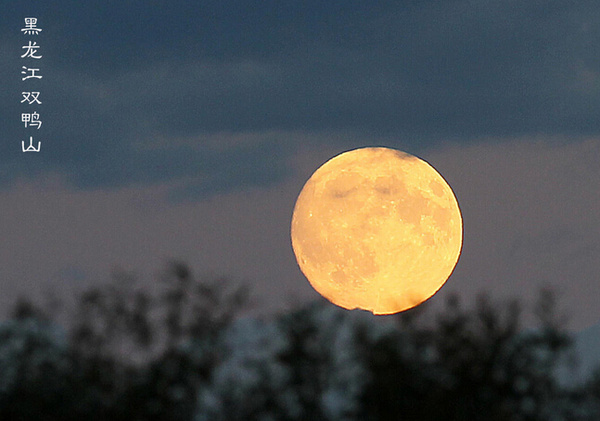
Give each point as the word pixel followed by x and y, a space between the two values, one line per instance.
pixel 185 353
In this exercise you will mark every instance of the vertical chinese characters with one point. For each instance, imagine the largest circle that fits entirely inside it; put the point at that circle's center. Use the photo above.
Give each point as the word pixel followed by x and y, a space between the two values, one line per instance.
pixel 28 76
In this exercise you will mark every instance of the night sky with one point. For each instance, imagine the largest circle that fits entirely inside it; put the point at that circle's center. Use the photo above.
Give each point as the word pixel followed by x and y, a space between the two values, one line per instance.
pixel 185 130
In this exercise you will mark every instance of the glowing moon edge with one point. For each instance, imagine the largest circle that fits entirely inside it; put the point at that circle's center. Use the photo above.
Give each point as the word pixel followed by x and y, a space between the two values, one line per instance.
pixel 377 229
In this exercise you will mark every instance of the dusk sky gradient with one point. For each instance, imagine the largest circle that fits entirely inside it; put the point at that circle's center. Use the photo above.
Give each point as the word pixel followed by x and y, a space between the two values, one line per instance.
pixel 186 130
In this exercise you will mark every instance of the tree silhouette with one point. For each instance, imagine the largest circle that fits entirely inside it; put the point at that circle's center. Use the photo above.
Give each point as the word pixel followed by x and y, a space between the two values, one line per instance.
pixel 185 353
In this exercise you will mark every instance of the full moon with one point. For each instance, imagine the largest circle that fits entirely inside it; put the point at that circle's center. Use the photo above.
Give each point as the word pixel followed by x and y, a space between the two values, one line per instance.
pixel 376 229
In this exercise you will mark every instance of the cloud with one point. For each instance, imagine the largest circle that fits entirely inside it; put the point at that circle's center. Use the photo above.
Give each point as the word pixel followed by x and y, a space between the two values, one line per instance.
pixel 528 208
pixel 212 115
pixel 119 76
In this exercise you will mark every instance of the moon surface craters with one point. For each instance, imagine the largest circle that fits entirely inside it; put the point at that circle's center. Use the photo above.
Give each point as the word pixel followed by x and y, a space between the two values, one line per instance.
pixel 376 229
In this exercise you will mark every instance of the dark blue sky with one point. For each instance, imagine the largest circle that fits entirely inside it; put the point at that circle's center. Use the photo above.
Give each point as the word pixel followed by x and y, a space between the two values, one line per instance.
pixel 123 74
pixel 186 129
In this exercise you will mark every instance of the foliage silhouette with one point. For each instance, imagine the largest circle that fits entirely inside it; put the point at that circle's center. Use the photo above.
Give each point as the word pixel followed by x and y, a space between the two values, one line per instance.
pixel 187 353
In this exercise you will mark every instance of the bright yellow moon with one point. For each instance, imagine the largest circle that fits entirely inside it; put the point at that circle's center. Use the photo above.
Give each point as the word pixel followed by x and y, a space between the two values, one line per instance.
pixel 377 229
